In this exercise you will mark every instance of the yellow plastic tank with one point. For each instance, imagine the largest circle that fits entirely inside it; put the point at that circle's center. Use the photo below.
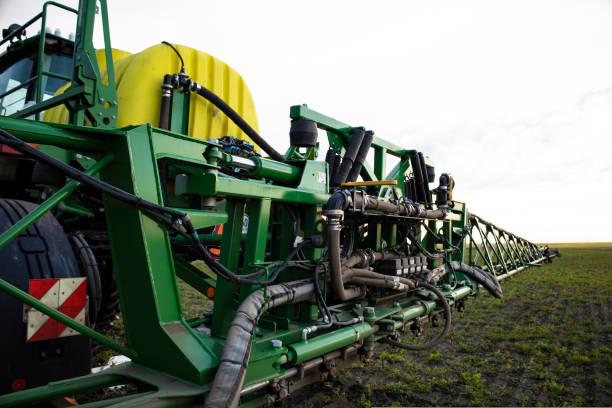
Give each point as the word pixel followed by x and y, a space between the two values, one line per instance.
pixel 139 77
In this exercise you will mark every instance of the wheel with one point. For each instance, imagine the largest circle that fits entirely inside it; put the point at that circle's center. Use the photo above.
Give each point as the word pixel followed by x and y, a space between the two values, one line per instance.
pixel 42 251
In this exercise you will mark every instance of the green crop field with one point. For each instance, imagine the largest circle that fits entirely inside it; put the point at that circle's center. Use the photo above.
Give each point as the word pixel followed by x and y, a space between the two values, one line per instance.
pixel 547 342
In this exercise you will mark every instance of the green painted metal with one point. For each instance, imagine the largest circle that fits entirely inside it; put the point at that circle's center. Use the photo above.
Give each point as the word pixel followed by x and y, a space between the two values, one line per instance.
pixel 308 349
pixel 273 170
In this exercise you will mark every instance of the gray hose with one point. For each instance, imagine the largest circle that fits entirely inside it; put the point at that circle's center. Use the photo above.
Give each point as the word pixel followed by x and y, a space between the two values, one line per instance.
pixel 391 282
pixel 485 278
pixel 225 389
pixel 335 266
pixel 407 208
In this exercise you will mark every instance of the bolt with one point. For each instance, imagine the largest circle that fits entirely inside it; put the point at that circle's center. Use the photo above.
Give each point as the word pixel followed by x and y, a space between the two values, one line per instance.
pixel 99 113
pixel 101 100
pixel 396 304
pixel 114 116
pixel 276 343
pixel 115 103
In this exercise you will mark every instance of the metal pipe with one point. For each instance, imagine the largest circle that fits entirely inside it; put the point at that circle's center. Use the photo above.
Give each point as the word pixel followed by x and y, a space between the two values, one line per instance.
pixel 306 350
pixel 274 170
pixel 293 371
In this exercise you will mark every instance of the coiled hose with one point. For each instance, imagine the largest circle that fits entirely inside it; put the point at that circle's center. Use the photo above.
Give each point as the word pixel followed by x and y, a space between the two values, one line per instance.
pixel 225 389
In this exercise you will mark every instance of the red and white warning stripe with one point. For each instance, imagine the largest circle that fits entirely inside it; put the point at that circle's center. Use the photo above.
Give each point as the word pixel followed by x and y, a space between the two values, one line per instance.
pixel 68 295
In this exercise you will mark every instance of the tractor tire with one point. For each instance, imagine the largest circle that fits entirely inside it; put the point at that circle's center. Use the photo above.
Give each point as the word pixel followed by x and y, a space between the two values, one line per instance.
pixel 42 251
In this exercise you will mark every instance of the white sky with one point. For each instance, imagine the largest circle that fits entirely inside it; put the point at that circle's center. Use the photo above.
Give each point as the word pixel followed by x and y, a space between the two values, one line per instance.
pixel 514 98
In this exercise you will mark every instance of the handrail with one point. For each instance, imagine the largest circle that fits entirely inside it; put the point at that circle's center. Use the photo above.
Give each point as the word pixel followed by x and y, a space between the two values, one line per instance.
pixel 40 72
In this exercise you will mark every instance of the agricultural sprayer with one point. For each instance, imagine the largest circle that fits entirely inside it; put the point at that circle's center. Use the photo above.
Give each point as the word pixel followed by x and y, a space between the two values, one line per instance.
pixel 118 171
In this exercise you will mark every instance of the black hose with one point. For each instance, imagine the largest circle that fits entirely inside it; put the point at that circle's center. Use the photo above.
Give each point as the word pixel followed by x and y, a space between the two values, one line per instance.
pixel 361 156
pixel 155 211
pixel 177 53
pixel 166 102
pixel 425 180
pixel 236 118
pixel 485 278
pixel 330 158
pixel 350 154
pixel 440 337
pixel 419 177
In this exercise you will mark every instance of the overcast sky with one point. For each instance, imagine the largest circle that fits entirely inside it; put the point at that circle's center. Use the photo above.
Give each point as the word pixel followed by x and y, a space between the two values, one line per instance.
pixel 514 98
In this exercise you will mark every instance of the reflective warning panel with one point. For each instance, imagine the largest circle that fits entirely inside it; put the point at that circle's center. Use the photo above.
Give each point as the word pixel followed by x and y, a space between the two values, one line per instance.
pixel 68 295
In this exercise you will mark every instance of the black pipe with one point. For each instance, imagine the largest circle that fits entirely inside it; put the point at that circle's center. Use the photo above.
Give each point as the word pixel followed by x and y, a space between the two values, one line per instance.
pixel 361 156
pixel 235 117
pixel 166 102
pixel 425 180
pixel 415 163
pixel 349 156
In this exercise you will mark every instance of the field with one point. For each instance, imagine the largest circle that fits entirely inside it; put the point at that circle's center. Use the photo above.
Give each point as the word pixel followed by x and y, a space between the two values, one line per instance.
pixel 547 342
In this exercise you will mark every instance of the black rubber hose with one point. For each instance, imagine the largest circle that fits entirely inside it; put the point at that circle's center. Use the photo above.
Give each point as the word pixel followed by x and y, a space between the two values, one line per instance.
pixel 485 278
pixel 330 158
pixel 177 53
pixel 349 156
pixel 415 163
pixel 237 119
pixel 166 102
pixel 153 210
pixel 361 156
pixel 440 337
pixel 336 168
pixel 83 178
pixel 425 180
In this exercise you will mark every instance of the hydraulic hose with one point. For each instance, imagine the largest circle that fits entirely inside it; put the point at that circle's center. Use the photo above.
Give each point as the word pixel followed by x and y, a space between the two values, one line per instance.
pixel 368 277
pixel 419 177
pixel 350 154
pixel 225 389
pixel 177 222
pixel 425 180
pixel 447 325
pixel 485 278
pixel 166 102
pixel 335 266
pixel 236 118
pixel 406 207
pixel 361 156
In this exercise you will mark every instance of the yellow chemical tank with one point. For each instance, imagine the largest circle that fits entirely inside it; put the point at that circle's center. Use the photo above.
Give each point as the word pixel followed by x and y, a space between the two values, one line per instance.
pixel 139 77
